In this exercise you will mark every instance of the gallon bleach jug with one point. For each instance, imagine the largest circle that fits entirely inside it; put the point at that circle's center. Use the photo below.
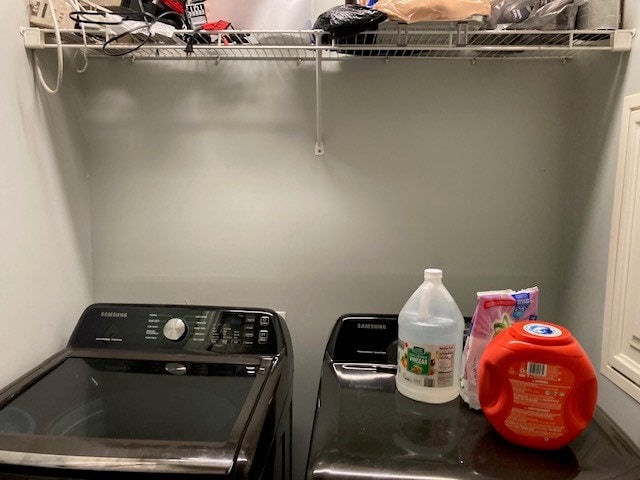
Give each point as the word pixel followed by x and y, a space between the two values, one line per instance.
pixel 537 386
pixel 430 331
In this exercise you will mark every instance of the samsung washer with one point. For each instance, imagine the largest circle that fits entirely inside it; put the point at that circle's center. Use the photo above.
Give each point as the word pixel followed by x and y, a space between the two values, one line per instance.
pixel 156 391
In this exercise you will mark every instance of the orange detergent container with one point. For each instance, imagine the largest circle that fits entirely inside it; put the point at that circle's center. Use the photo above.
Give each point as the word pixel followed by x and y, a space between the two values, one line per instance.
pixel 537 387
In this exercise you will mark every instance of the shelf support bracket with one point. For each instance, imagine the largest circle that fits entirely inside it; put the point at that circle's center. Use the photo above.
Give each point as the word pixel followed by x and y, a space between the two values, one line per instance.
pixel 462 37
pixel 33 38
pixel 319 148
pixel 621 40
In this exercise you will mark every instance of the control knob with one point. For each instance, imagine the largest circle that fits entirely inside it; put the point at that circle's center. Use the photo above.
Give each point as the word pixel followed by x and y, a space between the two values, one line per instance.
pixel 175 329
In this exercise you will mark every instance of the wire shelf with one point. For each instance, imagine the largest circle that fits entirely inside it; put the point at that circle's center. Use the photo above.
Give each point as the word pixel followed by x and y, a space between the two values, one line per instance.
pixel 476 44
pixel 392 40
pixel 298 45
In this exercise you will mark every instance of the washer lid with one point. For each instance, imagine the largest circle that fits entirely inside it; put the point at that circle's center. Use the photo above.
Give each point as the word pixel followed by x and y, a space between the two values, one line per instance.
pixel 131 415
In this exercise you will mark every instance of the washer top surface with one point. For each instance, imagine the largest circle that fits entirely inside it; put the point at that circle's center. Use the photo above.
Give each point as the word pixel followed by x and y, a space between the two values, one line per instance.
pixel 148 388
pixel 132 399
pixel 365 429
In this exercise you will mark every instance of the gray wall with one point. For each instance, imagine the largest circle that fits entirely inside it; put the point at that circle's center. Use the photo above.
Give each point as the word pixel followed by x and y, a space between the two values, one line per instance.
pixel 205 188
pixel 45 258
pixel 601 85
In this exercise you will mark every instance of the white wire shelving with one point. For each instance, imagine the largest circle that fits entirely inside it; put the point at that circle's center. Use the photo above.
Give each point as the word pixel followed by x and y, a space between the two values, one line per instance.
pixel 392 41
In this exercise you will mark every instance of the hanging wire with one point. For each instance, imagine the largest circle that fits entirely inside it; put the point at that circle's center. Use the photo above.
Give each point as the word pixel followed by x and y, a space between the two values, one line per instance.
pixel 60 73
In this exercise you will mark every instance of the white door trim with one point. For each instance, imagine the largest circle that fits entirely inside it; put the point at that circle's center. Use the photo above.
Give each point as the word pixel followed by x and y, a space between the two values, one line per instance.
pixel 623 282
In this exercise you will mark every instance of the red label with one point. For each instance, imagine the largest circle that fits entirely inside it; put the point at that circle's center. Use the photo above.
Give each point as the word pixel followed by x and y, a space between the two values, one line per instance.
pixel 499 303
pixel 539 393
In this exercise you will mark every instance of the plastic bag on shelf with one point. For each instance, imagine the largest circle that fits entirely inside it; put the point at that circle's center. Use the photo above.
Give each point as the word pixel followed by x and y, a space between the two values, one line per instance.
pixel 347 20
pixel 511 11
pixel 551 15
pixel 533 14
pixel 413 11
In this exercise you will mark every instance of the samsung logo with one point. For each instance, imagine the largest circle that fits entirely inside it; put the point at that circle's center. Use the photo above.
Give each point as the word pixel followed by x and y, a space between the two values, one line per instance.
pixel 372 326
pixel 113 314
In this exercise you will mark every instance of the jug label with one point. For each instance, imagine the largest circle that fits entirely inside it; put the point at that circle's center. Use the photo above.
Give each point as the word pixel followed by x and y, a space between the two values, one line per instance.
pixel 426 365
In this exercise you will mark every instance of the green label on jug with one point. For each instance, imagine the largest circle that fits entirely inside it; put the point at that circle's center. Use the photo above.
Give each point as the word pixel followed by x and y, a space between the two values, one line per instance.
pixel 426 365
pixel 419 361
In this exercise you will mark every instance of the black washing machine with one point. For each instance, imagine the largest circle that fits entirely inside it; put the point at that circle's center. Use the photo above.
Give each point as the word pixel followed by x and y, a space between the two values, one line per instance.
pixel 156 391
pixel 364 429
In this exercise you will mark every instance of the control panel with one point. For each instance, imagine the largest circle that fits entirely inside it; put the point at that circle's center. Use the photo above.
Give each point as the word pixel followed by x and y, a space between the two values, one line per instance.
pixel 241 330
pixel 190 328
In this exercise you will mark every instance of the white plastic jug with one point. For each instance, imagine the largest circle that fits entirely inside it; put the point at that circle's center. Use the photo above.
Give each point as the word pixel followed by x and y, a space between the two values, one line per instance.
pixel 430 332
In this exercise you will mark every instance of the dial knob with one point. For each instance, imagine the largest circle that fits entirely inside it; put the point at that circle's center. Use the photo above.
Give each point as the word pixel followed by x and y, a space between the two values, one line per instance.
pixel 175 329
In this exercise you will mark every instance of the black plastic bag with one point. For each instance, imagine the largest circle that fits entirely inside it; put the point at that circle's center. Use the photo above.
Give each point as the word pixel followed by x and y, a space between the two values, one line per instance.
pixel 347 20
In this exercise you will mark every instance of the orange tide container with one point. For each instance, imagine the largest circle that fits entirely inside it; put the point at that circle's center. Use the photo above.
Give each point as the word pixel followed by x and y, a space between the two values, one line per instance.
pixel 537 387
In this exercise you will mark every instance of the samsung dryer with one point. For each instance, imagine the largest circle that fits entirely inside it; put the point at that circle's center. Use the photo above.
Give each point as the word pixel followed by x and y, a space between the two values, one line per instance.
pixel 365 429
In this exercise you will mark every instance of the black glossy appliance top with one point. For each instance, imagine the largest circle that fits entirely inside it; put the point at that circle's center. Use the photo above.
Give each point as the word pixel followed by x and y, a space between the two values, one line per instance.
pixel 150 389
pixel 365 429
pixel 136 400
